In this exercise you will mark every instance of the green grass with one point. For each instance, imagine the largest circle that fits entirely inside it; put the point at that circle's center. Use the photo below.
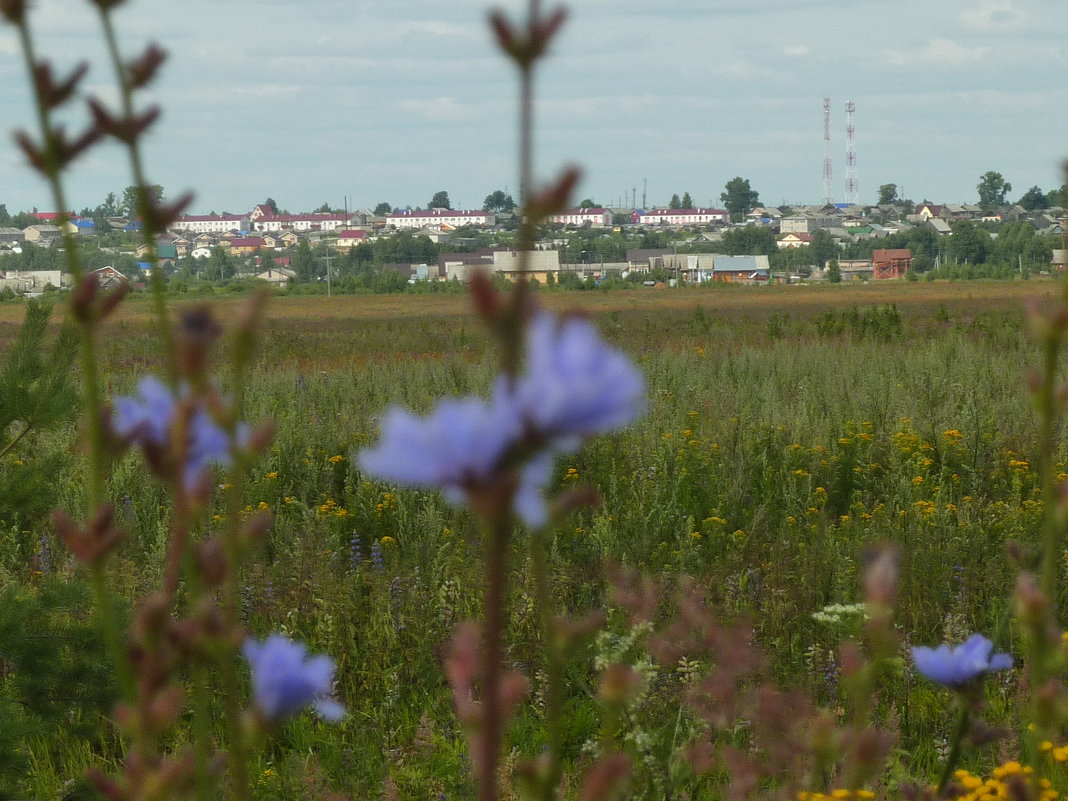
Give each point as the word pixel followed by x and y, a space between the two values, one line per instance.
pixel 785 433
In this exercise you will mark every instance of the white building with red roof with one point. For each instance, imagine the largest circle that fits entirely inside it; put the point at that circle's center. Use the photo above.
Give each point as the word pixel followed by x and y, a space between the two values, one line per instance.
pixel 682 216
pixel 210 223
pixel 595 217
pixel 299 222
pixel 440 218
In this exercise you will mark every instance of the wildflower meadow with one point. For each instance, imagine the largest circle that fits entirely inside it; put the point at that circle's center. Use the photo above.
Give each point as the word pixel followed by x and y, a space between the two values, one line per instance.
pixel 695 543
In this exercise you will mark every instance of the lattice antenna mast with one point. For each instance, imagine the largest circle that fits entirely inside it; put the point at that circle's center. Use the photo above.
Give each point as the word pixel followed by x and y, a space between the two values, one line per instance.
pixel 852 190
pixel 827 185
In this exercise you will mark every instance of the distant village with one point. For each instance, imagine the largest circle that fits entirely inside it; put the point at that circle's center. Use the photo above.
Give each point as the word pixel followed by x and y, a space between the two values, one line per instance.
pixel 671 245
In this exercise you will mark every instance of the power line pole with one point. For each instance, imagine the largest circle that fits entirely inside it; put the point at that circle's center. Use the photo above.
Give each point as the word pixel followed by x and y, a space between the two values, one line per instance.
pixel 327 259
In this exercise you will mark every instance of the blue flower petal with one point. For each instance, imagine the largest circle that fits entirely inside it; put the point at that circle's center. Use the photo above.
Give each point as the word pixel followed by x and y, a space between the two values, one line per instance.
pixel 958 665
pixel 284 680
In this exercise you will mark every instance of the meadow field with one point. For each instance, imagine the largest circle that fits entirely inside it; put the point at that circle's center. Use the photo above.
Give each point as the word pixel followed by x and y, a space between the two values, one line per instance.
pixel 788 429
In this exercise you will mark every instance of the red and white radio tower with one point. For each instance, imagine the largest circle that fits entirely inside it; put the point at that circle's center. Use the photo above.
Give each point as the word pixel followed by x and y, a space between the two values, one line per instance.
pixel 852 191
pixel 827 186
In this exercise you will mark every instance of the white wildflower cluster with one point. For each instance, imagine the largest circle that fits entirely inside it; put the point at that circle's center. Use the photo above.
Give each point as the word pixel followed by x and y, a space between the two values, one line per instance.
pixel 836 615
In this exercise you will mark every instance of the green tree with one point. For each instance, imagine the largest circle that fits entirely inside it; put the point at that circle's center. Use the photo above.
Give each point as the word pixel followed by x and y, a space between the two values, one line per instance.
pixel 992 190
pixel 834 272
pixel 5 218
pixel 1017 243
pixel 587 203
pixel 498 201
pixel 270 203
pixel 382 209
pixel 739 197
pixel 749 240
pixel 1058 197
pixel 303 263
pixel 823 247
pixel 108 208
pixel 968 243
pixel 675 203
pixel 440 200
pixel 131 199
pixel 404 248
pixel 687 201
pixel 1033 199
pixel 219 265
pixel 887 194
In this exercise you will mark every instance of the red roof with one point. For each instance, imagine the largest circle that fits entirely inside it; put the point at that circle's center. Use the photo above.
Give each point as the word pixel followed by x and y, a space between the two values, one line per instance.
pixel 432 213
pixel 352 235
pixel 888 255
pixel 52 215
pixel 210 217
pixel 597 211
pixel 318 217
pixel 690 212
pixel 246 242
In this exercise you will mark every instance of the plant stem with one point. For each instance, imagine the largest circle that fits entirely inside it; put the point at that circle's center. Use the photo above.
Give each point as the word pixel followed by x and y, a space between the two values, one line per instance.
pixel 7 448
pixel 497 530
pixel 954 752
pixel 89 368
pixel 133 149
pixel 554 663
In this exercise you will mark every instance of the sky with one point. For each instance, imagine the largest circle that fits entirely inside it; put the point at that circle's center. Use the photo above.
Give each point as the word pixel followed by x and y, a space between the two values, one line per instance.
pixel 365 101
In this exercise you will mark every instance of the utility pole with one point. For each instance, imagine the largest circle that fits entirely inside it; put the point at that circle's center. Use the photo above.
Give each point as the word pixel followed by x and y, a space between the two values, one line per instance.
pixel 327 259
pixel 645 185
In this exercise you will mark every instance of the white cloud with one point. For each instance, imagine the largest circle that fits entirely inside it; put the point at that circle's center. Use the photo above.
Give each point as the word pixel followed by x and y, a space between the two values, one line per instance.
pixel 434 108
pixel 948 52
pixel 796 50
pixel 995 16
pixel 893 58
pixel 441 28
pixel 935 53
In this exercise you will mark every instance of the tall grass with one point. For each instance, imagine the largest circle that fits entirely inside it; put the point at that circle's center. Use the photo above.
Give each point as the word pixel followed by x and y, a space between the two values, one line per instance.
pixel 775 449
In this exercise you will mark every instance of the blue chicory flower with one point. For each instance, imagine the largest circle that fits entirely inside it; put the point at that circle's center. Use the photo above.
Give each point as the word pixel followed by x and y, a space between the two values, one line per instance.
pixel 457 446
pixel 147 418
pixel 284 680
pixel 529 500
pixel 574 384
pixel 147 421
pixel 958 665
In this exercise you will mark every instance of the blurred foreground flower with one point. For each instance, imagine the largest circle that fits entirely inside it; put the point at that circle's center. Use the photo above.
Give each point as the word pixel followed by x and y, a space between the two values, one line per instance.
pixel 147 421
pixel 284 680
pixel 960 664
pixel 455 447
pixel 573 386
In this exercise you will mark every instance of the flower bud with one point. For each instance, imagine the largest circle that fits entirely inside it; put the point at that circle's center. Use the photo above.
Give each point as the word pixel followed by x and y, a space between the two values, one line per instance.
pixel 13 10
pixel 620 684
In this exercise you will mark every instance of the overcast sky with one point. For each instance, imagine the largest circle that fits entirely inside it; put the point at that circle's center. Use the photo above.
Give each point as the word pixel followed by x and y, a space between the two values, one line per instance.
pixel 392 100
